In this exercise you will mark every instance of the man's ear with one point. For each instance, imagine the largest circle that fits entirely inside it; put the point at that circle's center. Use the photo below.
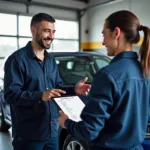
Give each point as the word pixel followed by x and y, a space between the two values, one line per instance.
pixel 117 33
pixel 33 31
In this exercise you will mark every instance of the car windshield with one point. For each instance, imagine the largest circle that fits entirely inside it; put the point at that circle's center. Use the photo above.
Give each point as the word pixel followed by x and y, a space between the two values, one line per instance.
pixel 75 68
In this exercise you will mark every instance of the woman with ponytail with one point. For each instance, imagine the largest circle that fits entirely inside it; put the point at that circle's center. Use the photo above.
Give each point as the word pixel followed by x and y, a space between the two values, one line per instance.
pixel 117 113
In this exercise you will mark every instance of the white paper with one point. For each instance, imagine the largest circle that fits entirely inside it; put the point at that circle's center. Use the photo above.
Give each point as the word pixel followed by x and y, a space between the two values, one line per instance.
pixel 72 106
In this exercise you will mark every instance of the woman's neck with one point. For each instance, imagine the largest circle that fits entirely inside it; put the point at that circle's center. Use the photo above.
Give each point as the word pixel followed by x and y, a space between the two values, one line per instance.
pixel 123 47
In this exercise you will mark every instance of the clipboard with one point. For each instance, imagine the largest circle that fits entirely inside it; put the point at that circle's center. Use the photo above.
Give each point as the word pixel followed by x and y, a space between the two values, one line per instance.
pixel 72 106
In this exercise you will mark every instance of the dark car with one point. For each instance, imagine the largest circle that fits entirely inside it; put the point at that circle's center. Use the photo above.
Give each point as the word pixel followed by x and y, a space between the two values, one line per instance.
pixel 73 67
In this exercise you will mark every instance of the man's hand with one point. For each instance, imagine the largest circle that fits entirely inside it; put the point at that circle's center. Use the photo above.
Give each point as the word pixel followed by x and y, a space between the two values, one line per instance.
pixel 52 93
pixel 62 119
pixel 82 88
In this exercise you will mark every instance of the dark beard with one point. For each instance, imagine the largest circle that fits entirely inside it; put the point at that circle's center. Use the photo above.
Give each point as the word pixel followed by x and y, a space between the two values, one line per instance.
pixel 40 42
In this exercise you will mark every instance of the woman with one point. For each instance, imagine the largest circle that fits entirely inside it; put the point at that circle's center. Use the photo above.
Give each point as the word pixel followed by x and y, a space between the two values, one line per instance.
pixel 117 114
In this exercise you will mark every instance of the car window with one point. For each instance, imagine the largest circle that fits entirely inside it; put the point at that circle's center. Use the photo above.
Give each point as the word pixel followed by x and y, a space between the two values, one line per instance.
pixel 101 61
pixel 74 68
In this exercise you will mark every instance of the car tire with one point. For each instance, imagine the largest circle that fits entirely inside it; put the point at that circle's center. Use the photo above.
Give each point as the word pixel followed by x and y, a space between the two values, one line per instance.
pixel 74 144
pixel 3 125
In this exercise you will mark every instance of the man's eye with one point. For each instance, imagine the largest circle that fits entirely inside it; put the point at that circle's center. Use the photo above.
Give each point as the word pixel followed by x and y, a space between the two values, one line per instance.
pixel 46 30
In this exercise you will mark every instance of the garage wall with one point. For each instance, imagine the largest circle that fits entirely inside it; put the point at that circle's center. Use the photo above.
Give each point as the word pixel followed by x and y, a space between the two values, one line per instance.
pixel 85 29
pixel 65 3
pixel 91 21
pixel 97 15
pixel 12 7
pixel 64 11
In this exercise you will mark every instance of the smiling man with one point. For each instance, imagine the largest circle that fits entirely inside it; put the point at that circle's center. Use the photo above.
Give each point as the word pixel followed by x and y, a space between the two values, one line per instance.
pixel 31 80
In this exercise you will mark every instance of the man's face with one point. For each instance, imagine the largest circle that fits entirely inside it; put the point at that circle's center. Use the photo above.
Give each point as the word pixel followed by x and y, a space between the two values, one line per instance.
pixel 44 34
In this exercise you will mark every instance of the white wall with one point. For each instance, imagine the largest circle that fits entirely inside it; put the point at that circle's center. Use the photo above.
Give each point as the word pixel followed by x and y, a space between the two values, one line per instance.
pixel 56 13
pixel 92 20
pixel 12 7
pixel 84 27
pixel 97 15
pixel 66 3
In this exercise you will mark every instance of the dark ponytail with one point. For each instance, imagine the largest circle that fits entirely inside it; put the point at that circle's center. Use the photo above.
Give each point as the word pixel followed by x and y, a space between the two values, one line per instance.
pixel 130 25
pixel 144 51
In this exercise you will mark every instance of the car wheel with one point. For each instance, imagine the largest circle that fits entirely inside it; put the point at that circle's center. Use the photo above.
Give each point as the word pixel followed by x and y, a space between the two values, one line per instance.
pixel 74 144
pixel 3 125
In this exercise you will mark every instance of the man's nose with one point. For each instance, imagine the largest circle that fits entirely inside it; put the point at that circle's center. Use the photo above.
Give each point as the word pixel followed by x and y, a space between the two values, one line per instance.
pixel 51 35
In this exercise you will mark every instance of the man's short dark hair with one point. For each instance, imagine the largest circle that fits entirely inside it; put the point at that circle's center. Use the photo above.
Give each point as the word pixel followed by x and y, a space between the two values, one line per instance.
pixel 41 17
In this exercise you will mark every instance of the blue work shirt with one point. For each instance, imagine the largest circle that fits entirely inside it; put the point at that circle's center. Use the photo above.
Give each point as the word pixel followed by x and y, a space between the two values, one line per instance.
pixel 26 78
pixel 117 113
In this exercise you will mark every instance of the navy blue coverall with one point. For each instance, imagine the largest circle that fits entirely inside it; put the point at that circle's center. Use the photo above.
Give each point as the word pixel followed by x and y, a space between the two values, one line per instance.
pixel 117 113
pixel 26 78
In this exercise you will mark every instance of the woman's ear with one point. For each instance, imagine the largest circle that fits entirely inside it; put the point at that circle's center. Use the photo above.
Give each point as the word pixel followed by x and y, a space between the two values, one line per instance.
pixel 117 33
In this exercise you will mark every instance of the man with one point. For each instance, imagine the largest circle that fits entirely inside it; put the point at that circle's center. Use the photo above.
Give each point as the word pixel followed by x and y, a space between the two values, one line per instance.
pixel 31 80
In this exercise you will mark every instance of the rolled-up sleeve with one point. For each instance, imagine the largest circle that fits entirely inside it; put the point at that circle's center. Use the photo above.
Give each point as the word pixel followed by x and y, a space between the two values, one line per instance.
pixel 97 110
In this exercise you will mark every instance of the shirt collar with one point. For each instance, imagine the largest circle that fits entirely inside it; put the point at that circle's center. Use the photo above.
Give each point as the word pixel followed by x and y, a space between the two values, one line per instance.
pixel 30 51
pixel 125 54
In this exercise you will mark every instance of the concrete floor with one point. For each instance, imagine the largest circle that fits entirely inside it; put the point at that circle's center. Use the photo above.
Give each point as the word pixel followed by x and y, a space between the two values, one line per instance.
pixel 6 140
